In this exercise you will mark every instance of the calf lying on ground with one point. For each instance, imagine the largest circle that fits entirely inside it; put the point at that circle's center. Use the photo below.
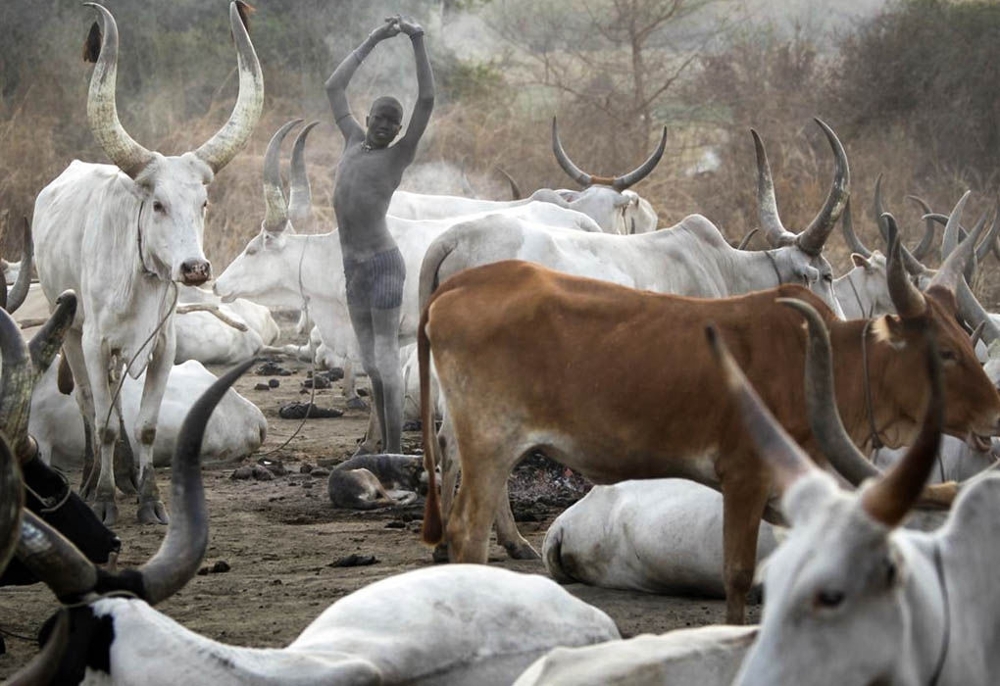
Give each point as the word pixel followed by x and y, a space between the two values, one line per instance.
pixel 367 482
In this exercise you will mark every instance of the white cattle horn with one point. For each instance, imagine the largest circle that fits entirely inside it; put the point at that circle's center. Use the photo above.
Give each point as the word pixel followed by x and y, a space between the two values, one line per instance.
pixel 275 205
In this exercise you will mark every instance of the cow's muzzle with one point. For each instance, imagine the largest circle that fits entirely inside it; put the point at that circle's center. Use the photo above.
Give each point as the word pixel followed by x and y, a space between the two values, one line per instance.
pixel 195 272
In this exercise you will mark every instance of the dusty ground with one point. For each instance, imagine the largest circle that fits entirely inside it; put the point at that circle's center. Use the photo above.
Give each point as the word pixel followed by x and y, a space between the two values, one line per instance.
pixel 280 539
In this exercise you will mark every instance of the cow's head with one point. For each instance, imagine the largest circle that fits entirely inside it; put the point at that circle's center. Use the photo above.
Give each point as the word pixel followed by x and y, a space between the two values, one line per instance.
pixel 839 584
pixel 606 199
pixel 973 405
pixel 798 257
pixel 259 273
pixel 173 191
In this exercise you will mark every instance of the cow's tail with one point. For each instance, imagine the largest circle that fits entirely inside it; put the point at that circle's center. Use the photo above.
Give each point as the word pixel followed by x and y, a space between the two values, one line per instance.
pixel 552 554
pixel 432 531
pixel 430 267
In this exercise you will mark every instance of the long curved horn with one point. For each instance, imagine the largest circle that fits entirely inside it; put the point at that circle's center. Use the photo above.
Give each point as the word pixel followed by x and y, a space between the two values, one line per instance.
pixel 847 228
pixel 924 247
pixel 53 559
pixel 11 502
pixel 20 290
pixel 275 206
pixel 821 401
pixel 770 223
pixel 625 181
pixel 300 210
pixel 906 297
pixel 581 177
pixel 45 344
pixel 102 110
pixel 183 547
pixel 234 134
pixel 745 241
pixel 813 237
pixel 913 266
pixel 951 270
pixel 16 380
pixel 43 667
pixel 515 190
pixel 986 245
pixel 891 497
pixel 773 444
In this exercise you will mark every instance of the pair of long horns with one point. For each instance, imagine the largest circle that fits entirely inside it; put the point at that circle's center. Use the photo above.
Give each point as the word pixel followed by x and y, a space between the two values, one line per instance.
pixel 298 208
pixel 892 496
pixel 72 576
pixel 619 183
pixel 811 239
pixel 123 150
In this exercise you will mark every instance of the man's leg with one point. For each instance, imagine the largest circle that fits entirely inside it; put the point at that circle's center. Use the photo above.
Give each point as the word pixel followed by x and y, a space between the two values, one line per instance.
pixel 386 328
pixel 363 323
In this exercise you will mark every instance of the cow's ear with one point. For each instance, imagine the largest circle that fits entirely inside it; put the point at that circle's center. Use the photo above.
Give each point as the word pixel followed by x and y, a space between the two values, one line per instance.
pixel 889 329
pixel 860 261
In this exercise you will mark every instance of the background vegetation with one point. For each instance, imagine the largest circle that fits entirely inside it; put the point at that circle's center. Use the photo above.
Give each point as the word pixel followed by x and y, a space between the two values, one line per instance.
pixel 911 89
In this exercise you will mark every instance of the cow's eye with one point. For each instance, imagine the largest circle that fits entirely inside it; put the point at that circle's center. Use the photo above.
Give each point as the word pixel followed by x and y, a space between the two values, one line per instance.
pixel 948 355
pixel 158 207
pixel 828 599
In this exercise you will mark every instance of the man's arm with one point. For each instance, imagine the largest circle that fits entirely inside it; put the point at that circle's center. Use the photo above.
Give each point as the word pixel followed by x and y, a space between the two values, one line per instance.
pixel 336 85
pixel 425 86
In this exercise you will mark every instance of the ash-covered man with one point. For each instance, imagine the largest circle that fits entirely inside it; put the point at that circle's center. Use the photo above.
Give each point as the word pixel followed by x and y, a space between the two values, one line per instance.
pixel 369 172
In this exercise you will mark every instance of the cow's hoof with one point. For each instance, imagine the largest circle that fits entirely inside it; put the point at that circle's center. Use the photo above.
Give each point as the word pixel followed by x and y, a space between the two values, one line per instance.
pixel 106 511
pixel 356 403
pixel 521 551
pixel 440 554
pixel 152 512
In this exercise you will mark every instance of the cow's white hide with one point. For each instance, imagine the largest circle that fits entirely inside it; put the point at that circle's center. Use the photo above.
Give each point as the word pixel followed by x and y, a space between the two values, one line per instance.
pixel 705 656
pixel 653 535
pixel 237 427
pixel 453 625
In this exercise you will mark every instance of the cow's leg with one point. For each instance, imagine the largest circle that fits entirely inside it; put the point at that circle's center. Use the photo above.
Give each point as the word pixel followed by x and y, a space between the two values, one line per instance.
pixel 73 350
pixel 508 536
pixel 448 452
pixel 151 509
pixel 124 461
pixel 743 500
pixel 98 359
pixel 484 474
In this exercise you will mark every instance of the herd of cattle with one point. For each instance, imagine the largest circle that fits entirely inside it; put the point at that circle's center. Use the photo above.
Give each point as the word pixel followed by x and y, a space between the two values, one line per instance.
pixel 729 400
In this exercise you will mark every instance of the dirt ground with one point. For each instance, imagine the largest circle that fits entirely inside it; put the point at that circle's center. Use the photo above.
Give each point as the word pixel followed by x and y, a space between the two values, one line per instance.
pixel 279 540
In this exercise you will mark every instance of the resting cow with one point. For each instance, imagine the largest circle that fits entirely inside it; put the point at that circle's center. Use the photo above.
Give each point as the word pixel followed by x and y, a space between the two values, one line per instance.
pixel 122 236
pixel 654 535
pixel 530 360
pixel 488 624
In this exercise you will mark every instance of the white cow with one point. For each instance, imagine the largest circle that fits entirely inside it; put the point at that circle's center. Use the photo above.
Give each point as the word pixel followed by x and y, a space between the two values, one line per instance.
pixel 606 200
pixel 853 599
pixel 705 656
pixel 449 625
pixel 237 428
pixel 122 236
pixel 655 535
pixel 223 333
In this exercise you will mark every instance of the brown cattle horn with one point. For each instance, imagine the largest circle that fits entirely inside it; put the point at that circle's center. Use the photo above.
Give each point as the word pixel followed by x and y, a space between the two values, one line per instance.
pixel 43 667
pixel 951 270
pixel 813 237
pixel 891 497
pixel 45 344
pixel 746 239
pixel 821 401
pixel 924 247
pixel 619 183
pixel 234 134
pixel 102 110
pixel 16 381
pixel 53 559
pixel 181 552
pixel 847 228
pixel 767 206
pixel 20 290
pixel 11 502
pixel 773 444
pixel 643 170
pixel 275 206
pixel 906 297
pixel 299 193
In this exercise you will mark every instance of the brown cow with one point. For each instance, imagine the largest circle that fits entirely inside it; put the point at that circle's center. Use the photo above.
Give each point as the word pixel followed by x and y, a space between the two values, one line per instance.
pixel 530 360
